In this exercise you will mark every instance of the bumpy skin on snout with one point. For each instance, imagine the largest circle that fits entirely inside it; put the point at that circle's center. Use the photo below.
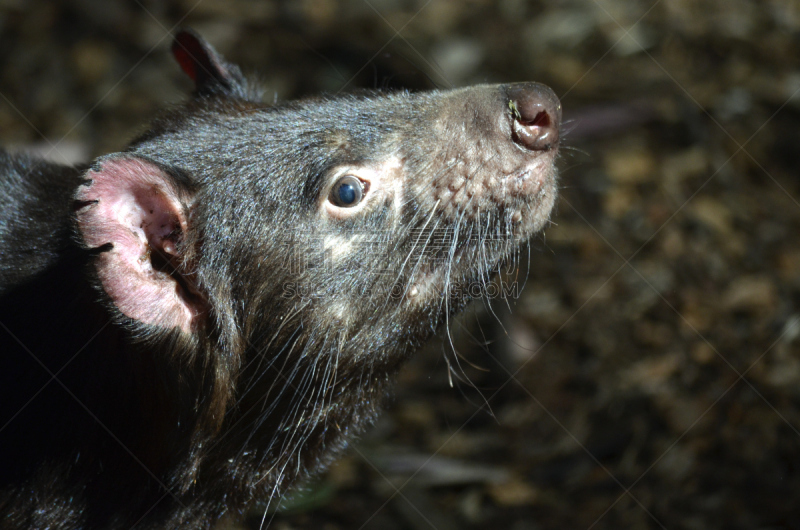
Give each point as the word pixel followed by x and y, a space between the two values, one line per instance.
pixel 229 298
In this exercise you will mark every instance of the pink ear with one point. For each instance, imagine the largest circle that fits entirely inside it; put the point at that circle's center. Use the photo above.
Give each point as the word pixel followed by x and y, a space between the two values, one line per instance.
pixel 140 210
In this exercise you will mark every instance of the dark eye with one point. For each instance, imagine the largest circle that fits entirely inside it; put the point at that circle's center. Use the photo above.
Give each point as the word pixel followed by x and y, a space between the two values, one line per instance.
pixel 347 192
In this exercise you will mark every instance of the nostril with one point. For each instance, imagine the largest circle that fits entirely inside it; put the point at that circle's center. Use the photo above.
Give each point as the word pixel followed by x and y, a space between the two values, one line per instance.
pixel 542 119
pixel 536 134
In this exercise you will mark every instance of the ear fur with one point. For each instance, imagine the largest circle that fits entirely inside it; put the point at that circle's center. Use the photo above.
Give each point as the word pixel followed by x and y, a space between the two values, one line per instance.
pixel 207 68
pixel 136 216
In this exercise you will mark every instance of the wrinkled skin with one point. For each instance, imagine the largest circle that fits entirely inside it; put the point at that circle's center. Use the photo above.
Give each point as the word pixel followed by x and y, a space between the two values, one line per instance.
pixel 224 335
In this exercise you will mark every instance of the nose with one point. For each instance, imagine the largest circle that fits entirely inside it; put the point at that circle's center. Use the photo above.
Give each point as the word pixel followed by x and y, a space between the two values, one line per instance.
pixel 536 112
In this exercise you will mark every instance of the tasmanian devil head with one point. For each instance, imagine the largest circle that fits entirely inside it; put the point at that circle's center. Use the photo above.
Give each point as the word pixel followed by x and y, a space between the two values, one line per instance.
pixel 285 259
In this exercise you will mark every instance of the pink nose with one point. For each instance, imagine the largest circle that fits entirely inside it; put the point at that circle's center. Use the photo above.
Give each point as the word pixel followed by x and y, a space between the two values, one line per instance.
pixel 537 115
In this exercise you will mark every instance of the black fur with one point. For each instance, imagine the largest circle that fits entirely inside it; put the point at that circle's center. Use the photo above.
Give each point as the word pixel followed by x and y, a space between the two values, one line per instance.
pixel 106 422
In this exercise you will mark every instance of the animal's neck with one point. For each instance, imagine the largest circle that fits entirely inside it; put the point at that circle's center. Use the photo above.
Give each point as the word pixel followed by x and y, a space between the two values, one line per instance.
pixel 30 242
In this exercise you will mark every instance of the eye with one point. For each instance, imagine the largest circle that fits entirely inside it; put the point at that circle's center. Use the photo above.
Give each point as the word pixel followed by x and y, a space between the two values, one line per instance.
pixel 347 192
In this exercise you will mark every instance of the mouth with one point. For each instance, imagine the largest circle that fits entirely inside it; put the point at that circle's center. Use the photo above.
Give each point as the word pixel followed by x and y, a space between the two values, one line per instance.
pixel 465 261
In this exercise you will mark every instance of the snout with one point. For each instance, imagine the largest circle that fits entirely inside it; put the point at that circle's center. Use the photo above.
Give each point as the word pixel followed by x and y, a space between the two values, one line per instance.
pixel 536 114
pixel 490 154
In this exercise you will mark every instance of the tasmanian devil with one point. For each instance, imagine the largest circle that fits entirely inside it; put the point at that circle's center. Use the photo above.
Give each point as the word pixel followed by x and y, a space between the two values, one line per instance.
pixel 210 315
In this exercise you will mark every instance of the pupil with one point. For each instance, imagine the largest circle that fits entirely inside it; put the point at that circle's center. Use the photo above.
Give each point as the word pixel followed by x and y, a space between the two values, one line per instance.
pixel 347 193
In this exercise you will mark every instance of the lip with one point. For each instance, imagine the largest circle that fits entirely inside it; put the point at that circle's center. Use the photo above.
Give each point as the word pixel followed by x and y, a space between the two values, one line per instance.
pixel 526 183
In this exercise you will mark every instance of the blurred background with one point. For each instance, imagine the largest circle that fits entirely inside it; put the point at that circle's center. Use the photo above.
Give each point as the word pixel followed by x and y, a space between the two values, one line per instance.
pixel 649 374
